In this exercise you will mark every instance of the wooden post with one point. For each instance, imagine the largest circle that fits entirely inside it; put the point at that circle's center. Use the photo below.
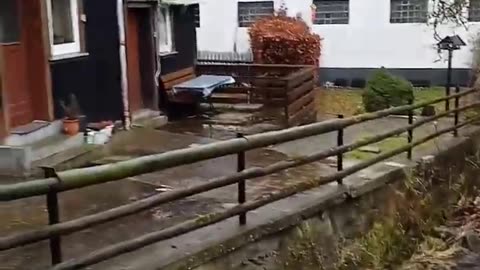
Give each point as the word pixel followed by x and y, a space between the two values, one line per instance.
pixel 340 156
pixel 410 131
pixel 449 80
pixel 242 218
pixel 286 104
pixel 457 104
pixel 53 218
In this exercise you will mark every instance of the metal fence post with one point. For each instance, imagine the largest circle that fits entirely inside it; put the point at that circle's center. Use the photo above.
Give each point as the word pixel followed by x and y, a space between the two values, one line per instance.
pixel 285 110
pixel 457 105
pixel 340 156
pixel 410 130
pixel 242 218
pixel 53 218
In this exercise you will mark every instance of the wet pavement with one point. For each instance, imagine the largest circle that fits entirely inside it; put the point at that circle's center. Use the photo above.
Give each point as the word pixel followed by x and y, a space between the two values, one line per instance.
pixel 31 213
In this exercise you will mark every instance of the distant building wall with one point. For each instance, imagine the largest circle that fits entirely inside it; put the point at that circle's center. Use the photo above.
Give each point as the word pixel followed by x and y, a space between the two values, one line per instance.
pixel 367 42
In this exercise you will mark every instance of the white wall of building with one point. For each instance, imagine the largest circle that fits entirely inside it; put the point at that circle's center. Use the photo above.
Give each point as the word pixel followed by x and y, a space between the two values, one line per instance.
pixel 368 41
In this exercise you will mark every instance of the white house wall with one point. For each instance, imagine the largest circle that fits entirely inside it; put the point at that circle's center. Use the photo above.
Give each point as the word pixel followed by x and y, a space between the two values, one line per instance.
pixel 368 41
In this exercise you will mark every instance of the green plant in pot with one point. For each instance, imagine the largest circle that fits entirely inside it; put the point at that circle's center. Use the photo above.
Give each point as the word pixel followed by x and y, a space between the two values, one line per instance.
pixel 72 113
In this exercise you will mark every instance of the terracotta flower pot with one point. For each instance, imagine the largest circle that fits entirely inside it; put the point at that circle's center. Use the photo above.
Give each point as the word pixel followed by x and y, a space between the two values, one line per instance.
pixel 71 127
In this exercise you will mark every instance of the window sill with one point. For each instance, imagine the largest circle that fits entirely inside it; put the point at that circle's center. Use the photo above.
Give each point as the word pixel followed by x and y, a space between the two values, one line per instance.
pixel 61 57
pixel 329 24
pixel 13 43
pixel 168 54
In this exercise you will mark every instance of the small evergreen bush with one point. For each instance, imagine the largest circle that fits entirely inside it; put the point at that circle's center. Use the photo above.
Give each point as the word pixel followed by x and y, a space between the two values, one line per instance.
pixel 384 90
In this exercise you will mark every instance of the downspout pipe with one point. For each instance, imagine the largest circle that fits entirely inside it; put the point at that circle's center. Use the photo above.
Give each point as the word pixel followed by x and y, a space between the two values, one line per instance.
pixel 121 7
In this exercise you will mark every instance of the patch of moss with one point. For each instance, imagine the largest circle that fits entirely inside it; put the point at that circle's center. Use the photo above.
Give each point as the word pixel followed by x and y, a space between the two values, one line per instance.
pixel 384 146
pixel 471 114
pixel 429 94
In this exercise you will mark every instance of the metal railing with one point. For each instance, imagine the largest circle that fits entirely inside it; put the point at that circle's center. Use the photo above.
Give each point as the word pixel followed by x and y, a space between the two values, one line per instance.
pixel 209 57
pixel 79 178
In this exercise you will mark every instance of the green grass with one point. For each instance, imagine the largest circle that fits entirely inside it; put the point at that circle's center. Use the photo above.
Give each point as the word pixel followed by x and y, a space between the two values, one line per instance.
pixel 429 94
pixel 349 102
pixel 384 146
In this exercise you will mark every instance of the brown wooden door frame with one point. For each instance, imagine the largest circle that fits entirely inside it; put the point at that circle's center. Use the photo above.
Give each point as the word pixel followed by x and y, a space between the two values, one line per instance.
pixel 34 72
pixel 146 55
pixel 3 112
pixel 148 58
pixel 133 62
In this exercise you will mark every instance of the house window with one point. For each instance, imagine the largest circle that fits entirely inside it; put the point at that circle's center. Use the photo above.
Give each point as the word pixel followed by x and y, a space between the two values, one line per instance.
pixel 165 30
pixel 249 12
pixel 9 25
pixel 474 11
pixel 331 11
pixel 63 25
pixel 196 14
pixel 409 11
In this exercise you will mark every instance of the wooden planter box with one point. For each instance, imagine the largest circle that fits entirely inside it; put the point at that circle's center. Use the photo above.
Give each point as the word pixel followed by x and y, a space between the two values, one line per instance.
pixel 288 87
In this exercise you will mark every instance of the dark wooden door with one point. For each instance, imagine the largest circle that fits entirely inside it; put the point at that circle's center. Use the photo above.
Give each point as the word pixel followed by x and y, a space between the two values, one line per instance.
pixel 3 124
pixel 15 82
pixel 133 61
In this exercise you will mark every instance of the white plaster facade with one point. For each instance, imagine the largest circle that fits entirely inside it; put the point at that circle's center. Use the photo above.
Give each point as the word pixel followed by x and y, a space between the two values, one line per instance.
pixel 368 41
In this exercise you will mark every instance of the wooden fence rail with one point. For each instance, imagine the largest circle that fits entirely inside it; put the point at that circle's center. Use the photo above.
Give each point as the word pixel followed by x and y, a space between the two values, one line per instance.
pixel 96 175
pixel 191 225
pixel 78 178
pixel 156 200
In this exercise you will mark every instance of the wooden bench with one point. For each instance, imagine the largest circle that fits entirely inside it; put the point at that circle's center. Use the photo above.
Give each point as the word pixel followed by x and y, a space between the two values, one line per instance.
pixel 175 78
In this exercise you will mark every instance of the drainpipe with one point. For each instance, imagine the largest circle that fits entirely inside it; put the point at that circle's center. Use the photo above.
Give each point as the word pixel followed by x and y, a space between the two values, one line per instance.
pixel 156 31
pixel 123 63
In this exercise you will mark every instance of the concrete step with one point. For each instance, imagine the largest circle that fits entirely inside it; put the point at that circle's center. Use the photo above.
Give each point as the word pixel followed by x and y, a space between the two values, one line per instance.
pixel 149 118
pixel 154 122
pixel 239 107
pixel 143 114
pixel 248 130
pixel 227 98
pixel 63 156
pixel 231 118
pixel 55 144
pixel 20 160
pixel 28 138
pixel 112 159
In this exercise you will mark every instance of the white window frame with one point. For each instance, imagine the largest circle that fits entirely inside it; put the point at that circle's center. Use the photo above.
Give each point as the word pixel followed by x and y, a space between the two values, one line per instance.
pixel 247 23
pixel 169 47
pixel 328 20
pixel 471 15
pixel 66 48
pixel 406 20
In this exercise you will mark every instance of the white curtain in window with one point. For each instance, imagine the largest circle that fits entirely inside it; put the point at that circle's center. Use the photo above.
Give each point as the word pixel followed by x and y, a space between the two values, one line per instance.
pixel 62 22
pixel 165 30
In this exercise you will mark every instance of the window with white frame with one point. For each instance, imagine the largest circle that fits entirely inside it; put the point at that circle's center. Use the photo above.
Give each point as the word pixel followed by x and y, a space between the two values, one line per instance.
pixel 331 11
pixel 409 11
pixel 165 26
pixel 474 11
pixel 64 29
pixel 249 12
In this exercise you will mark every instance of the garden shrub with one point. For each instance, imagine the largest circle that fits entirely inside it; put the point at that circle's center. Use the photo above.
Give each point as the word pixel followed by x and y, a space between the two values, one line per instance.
pixel 384 90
